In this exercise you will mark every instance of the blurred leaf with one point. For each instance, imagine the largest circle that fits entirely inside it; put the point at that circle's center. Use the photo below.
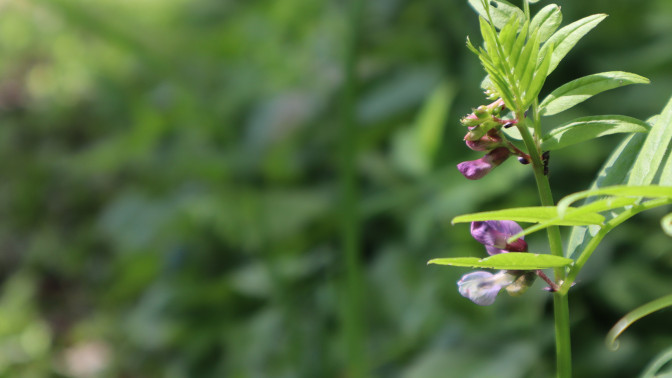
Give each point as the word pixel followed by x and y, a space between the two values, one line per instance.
pixel 587 128
pixel 510 260
pixel 635 315
pixel 564 39
pixel 533 214
pixel 432 120
pixel 666 223
pixel 547 21
pixel 654 367
pixel 581 89
pixel 501 11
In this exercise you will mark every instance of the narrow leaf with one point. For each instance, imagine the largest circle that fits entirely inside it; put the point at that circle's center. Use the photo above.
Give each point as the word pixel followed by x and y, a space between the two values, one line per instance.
pixel 655 147
pixel 547 20
pixel 586 128
pixel 635 315
pixel 501 13
pixel 490 41
pixel 581 89
pixel 507 36
pixel 653 191
pixel 538 81
pixel 518 45
pixel 666 174
pixel 531 66
pixel 532 214
pixel 566 38
pixel 524 58
pixel 509 261
pixel 431 120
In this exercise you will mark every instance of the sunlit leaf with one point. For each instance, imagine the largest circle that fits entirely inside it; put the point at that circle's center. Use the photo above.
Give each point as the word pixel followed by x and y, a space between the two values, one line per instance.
pixel 586 128
pixel 510 261
pixel 537 83
pixel 581 89
pixel 547 21
pixel 566 38
pixel 533 214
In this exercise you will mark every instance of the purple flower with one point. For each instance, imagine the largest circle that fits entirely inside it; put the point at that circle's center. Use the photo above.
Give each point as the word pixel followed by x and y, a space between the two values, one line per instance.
pixel 493 235
pixel 476 169
pixel 482 287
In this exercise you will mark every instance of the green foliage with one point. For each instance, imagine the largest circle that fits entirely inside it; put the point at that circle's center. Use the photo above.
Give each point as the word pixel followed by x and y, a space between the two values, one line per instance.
pixel 533 214
pixel 587 128
pixel 511 261
pixel 579 90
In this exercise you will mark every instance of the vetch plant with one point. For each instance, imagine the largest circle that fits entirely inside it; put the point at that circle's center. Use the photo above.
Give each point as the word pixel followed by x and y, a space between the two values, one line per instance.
pixel 518 53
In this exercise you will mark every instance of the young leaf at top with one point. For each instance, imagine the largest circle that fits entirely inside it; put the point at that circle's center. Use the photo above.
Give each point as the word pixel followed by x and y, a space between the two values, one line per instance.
pixel 510 261
pixel 540 74
pixel 586 128
pixel 581 89
pixel 564 39
pixel 547 21
pixel 501 13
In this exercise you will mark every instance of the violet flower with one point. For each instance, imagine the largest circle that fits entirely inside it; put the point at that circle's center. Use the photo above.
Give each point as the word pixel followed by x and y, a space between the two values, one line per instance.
pixel 482 287
pixel 476 169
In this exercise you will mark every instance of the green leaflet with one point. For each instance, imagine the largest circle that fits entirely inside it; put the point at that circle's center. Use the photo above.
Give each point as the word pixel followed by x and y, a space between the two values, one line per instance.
pixel 635 315
pixel 501 14
pixel 431 120
pixel 540 75
pixel 613 172
pixel 566 38
pixel 653 191
pixel 654 149
pixel 509 261
pixel 586 128
pixel 533 214
pixel 581 89
pixel 593 207
pixel 547 21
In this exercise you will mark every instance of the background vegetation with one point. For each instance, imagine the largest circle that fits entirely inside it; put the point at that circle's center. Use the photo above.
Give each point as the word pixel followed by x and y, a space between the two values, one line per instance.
pixel 170 192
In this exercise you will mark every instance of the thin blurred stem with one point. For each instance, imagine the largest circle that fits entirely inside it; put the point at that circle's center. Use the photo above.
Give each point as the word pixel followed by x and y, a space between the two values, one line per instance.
pixel 560 301
pixel 353 314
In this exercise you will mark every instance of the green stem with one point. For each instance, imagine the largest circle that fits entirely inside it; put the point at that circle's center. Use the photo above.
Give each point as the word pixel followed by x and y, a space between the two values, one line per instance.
pixel 560 301
pixel 353 312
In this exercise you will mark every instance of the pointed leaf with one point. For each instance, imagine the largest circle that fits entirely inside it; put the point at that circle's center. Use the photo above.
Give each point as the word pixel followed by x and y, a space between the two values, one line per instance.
pixel 538 81
pixel 518 45
pixel 565 38
pixel 652 191
pixel 579 90
pixel 508 35
pixel 547 20
pixel 508 261
pixel 654 149
pixel 533 214
pixel 524 59
pixel 526 76
pixel 586 128
pixel 501 12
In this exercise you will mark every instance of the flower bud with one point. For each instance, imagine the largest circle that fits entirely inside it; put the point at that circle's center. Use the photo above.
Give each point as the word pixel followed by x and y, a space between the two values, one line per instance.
pixel 476 169
pixel 521 284
pixel 487 142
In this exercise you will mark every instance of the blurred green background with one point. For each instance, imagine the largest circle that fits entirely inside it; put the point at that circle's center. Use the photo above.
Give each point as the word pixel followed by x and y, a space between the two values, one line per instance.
pixel 171 189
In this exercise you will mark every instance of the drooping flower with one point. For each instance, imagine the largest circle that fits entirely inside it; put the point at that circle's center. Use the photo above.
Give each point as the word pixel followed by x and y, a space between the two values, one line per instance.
pixel 494 234
pixel 476 169
pixel 482 287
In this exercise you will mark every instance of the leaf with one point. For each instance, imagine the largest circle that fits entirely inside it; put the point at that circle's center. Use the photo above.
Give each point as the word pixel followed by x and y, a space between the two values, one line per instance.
pixel 514 55
pixel 653 191
pixel 501 13
pixel 547 20
pixel 581 89
pixel 635 315
pixel 666 174
pixel 490 41
pixel 593 207
pixel 654 149
pixel 510 261
pixel 431 120
pixel 530 68
pixel 533 214
pixel 532 46
pixel 566 38
pixel 538 81
pixel 507 36
pixel 586 128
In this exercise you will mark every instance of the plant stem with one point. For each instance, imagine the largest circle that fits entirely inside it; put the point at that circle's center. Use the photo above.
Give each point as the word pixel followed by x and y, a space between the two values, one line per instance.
pixel 560 300
pixel 352 310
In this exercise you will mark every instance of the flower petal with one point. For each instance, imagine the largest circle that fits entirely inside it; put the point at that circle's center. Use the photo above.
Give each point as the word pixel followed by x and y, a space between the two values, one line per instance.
pixel 482 287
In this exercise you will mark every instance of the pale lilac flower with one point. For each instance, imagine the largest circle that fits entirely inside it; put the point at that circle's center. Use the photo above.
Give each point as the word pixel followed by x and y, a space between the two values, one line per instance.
pixel 482 287
pixel 493 235
pixel 476 169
